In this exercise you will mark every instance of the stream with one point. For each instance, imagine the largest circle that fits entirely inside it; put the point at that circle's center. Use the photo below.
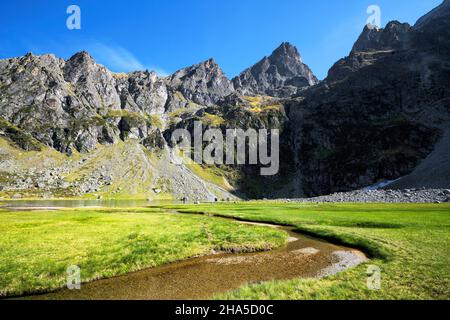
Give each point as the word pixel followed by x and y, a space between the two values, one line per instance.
pixel 206 276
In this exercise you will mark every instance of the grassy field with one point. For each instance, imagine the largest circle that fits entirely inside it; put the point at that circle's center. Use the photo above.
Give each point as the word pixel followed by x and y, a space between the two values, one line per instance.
pixel 37 247
pixel 409 242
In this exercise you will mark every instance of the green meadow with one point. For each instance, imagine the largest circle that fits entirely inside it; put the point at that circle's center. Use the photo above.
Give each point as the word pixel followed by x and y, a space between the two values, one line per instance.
pixel 409 242
pixel 38 247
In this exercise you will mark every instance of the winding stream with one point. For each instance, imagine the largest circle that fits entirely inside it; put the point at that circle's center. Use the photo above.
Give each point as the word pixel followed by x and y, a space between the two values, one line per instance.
pixel 204 277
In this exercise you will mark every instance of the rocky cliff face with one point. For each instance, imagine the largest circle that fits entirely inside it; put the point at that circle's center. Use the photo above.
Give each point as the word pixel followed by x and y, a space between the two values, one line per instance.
pixel 75 104
pixel 282 74
pixel 372 45
pixel 379 112
pixel 57 102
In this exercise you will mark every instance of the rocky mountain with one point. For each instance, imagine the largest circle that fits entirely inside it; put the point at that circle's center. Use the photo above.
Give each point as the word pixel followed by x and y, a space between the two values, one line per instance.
pixel 73 128
pixel 204 83
pixel 380 111
pixel 373 44
pixel 436 20
pixel 282 74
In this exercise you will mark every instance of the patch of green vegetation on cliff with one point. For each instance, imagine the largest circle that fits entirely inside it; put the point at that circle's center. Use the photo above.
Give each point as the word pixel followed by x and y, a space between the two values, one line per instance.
pixel 257 101
pixel 134 119
pixel 267 109
pixel 85 123
pixel 211 173
pixel 212 120
pixel 155 120
pixel 180 112
pixel 4 177
pixel 180 96
pixel 19 137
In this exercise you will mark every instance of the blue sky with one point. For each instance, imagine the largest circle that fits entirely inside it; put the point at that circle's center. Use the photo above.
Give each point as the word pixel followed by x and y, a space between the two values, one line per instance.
pixel 167 35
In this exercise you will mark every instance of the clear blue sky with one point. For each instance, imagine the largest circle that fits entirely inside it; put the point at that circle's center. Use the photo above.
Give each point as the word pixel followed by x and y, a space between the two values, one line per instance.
pixel 167 35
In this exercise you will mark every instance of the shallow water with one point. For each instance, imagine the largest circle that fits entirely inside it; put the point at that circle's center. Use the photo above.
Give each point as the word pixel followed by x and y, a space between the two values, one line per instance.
pixel 203 277
pixel 29 205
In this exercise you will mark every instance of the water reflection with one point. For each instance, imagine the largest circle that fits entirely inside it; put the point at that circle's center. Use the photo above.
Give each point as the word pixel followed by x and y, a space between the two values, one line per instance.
pixel 43 204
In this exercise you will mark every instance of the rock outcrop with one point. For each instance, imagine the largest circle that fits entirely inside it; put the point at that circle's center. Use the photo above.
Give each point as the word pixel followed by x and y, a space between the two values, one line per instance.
pixel 282 74
pixel 372 45
pixel 204 83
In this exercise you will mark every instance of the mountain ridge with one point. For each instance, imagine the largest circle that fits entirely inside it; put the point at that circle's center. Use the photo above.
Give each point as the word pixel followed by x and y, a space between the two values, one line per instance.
pixel 379 113
pixel 281 74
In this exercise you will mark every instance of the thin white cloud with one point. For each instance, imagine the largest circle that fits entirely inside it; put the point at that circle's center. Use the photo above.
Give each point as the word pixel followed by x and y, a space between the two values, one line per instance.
pixel 119 59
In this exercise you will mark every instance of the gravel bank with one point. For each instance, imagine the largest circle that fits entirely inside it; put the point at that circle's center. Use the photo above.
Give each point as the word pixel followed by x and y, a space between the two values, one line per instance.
pixel 386 196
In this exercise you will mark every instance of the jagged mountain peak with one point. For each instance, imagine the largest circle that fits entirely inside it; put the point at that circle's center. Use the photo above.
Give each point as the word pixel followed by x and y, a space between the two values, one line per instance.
pixel 80 59
pixel 208 67
pixel 31 57
pixel 286 51
pixel 211 62
pixel 373 38
pixel 204 83
pixel 81 55
pixel 281 74
pixel 82 66
pixel 373 43
pixel 369 27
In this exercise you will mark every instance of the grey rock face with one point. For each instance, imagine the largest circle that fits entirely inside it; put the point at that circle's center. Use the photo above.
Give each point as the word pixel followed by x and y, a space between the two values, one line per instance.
pixel 281 74
pixel 35 97
pixel 392 37
pixel 93 83
pixel 204 83
pixel 372 45
pixel 379 113
pixel 77 103
pixel 142 92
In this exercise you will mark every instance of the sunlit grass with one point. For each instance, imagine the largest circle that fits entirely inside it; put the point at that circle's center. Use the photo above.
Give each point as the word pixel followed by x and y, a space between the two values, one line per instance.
pixel 38 247
pixel 409 242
